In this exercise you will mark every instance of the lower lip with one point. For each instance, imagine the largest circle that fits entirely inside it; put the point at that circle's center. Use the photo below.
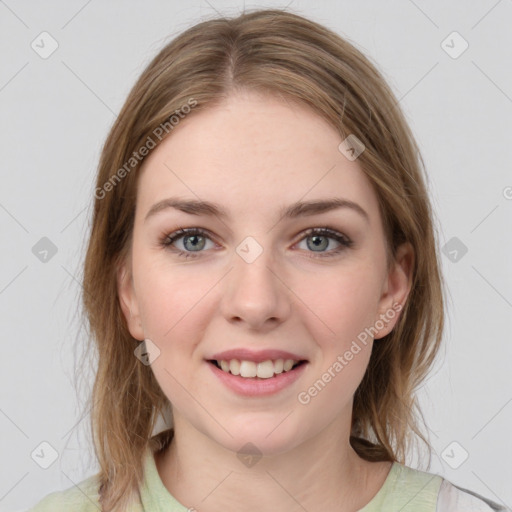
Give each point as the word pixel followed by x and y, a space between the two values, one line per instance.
pixel 255 386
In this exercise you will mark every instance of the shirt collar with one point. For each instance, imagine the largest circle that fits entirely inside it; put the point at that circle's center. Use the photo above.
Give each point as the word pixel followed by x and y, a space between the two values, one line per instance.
pixel 154 495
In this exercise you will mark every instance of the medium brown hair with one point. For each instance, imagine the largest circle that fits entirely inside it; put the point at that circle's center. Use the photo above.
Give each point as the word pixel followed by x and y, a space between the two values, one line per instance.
pixel 282 54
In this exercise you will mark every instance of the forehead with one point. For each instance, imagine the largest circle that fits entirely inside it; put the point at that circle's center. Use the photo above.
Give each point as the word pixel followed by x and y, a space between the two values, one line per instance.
pixel 253 153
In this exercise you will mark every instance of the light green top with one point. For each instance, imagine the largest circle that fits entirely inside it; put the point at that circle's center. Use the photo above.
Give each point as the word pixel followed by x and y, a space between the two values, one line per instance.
pixel 405 489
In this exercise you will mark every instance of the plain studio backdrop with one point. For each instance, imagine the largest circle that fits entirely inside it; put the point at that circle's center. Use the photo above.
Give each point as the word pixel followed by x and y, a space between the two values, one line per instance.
pixel 67 67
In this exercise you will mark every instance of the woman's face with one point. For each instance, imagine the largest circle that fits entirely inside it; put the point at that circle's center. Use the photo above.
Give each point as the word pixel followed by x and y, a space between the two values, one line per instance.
pixel 253 175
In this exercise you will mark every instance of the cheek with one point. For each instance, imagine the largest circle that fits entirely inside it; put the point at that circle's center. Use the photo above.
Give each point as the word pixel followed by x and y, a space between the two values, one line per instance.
pixel 341 305
pixel 175 312
pixel 337 319
pixel 173 301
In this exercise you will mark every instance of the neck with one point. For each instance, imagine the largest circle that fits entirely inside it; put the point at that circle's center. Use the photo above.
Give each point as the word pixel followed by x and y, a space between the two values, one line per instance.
pixel 323 473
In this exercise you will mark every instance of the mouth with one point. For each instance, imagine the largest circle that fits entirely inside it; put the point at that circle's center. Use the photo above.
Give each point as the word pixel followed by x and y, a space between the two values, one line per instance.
pixel 257 370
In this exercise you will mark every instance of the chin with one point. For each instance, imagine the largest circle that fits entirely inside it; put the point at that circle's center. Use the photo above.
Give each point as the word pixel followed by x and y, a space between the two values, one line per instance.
pixel 259 437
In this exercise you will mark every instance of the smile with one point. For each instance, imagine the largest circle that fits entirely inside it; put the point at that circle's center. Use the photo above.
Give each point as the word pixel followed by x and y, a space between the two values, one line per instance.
pixel 259 379
pixel 261 370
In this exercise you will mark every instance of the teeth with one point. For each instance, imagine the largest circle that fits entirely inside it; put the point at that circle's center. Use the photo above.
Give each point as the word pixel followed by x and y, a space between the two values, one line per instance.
pixel 248 369
pixel 288 365
pixel 263 370
pixel 234 366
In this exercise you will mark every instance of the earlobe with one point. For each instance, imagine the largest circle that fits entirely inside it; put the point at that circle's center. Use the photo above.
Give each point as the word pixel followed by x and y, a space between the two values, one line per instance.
pixel 128 301
pixel 397 289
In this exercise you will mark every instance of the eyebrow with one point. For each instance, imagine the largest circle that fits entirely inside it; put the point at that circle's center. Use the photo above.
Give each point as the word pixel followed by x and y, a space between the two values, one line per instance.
pixel 298 209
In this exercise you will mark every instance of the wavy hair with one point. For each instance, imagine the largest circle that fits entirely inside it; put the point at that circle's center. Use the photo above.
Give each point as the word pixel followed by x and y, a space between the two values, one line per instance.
pixel 286 55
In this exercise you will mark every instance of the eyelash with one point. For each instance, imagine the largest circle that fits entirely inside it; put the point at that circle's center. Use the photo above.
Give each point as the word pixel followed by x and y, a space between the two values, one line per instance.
pixel 344 242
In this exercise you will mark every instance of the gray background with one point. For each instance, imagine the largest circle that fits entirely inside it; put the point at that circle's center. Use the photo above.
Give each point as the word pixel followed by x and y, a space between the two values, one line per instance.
pixel 56 113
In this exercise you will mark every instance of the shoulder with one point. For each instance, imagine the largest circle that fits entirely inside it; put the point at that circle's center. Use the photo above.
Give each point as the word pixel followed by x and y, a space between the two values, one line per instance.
pixel 408 488
pixel 452 498
pixel 82 497
pixel 412 489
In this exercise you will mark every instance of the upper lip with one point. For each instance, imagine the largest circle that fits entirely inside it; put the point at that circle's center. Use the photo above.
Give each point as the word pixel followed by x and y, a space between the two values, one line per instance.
pixel 257 356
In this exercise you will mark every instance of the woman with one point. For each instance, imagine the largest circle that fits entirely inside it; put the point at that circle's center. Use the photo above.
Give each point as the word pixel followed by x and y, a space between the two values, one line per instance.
pixel 263 268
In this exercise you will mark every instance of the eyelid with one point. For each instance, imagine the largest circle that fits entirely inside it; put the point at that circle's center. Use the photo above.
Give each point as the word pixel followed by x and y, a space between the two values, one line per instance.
pixel 324 230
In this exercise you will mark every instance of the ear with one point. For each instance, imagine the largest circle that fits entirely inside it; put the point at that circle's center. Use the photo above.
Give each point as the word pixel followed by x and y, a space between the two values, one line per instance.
pixel 128 299
pixel 396 290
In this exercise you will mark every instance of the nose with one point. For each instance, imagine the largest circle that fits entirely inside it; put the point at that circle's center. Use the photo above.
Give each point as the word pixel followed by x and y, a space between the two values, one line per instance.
pixel 255 294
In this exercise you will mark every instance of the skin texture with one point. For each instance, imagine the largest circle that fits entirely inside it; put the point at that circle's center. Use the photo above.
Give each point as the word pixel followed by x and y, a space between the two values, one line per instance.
pixel 254 155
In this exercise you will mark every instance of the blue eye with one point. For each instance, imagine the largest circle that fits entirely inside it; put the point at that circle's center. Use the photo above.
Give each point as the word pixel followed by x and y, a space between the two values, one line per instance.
pixel 194 240
pixel 320 239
